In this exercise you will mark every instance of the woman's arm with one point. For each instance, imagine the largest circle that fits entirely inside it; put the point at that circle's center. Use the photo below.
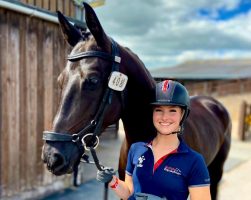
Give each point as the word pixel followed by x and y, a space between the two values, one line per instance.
pixel 123 189
pixel 198 193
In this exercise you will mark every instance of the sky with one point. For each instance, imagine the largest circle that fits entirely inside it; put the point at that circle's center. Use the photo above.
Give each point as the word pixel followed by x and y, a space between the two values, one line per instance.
pixel 165 33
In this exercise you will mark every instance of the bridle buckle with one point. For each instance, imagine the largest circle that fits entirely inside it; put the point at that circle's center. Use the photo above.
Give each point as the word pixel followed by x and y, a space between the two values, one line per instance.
pixel 75 138
pixel 89 138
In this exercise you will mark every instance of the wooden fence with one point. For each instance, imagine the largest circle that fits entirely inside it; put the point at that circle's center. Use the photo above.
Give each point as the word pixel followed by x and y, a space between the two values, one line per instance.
pixel 32 54
pixel 66 6
pixel 219 87
pixel 244 120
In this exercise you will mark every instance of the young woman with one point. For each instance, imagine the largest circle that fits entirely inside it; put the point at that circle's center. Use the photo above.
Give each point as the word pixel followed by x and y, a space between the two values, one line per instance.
pixel 164 168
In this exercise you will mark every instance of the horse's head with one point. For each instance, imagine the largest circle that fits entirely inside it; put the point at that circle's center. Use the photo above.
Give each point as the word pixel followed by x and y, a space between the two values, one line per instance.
pixel 85 99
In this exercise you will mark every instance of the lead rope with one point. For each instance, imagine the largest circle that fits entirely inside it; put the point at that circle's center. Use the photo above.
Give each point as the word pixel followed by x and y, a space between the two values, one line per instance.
pixel 85 159
pixel 93 152
pixel 95 158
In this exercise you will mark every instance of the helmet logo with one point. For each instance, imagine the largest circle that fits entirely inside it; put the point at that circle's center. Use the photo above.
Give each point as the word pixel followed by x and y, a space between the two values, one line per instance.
pixel 165 86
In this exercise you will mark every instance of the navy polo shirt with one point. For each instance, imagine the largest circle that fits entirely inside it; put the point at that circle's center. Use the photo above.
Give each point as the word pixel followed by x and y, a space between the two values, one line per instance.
pixel 179 170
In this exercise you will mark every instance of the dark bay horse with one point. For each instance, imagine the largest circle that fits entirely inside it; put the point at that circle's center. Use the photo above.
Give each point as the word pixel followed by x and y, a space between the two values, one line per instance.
pixel 84 83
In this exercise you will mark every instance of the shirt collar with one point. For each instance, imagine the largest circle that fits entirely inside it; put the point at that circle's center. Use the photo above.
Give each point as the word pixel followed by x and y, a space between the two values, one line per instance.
pixel 182 148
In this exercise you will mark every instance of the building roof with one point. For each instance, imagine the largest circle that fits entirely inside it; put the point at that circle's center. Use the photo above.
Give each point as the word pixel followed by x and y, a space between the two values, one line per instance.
pixel 206 69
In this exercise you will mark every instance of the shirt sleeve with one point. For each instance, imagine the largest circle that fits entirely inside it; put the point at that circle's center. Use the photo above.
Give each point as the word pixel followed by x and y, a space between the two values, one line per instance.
pixel 198 175
pixel 130 165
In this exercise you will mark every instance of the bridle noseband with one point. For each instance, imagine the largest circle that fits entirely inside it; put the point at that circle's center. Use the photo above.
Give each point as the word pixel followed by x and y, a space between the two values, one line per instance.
pixel 85 138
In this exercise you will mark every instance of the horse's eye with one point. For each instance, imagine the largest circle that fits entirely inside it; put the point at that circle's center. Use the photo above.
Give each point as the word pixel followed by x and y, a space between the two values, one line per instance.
pixel 91 83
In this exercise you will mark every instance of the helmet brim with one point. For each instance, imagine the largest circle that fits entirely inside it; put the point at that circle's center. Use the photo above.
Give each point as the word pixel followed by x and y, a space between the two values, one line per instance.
pixel 167 104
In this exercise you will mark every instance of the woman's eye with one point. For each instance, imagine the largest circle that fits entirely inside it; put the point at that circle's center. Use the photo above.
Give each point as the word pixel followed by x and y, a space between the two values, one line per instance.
pixel 173 110
pixel 158 110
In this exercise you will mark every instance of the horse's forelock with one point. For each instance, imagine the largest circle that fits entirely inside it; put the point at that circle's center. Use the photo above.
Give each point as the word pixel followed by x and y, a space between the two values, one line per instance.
pixel 90 45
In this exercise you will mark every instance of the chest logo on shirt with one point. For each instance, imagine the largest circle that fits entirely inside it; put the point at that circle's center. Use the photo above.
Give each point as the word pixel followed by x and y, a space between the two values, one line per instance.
pixel 172 170
pixel 140 161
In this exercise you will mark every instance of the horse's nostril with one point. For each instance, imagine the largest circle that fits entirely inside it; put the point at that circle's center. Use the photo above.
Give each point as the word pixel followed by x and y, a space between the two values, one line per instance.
pixel 56 160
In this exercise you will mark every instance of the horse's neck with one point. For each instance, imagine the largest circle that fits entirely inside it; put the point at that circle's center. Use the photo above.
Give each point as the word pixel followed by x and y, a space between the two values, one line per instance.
pixel 137 115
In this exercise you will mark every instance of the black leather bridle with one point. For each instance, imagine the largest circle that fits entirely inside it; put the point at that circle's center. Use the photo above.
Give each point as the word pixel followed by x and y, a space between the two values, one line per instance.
pixel 85 138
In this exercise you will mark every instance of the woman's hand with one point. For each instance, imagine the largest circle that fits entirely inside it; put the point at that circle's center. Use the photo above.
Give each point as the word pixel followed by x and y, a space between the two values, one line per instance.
pixel 105 175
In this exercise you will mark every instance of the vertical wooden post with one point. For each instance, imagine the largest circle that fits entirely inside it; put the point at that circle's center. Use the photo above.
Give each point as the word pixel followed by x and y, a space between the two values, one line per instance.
pixel 242 124
pixel 23 105
pixel 46 4
pixel 53 5
pixel 3 64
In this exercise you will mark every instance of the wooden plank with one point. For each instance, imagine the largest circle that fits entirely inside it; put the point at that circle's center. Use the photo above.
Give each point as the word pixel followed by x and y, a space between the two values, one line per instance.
pixel 40 102
pixel 31 85
pixel 39 3
pixel 48 86
pixel 242 124
pixel 67 7
pixel 24 173
pixel 53 5
pixel 13 104
pixel 58 65
pixel 4 150
pixel 48 76
pixel 46 4
pixel 60 5
pixel 1 64
pixel 24 1
pixel 72 10
pixel 31 2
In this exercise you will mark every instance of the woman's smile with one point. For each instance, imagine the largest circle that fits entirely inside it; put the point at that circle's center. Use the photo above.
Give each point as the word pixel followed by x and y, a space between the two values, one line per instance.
pixel 167 118
pixel 165 123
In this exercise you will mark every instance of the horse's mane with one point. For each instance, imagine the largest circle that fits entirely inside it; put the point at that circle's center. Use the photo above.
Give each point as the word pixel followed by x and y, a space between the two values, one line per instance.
pixel 138 113
pixel 136 67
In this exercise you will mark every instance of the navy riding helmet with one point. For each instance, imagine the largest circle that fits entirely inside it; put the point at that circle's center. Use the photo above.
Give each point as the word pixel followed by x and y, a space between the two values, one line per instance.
pixel 173 93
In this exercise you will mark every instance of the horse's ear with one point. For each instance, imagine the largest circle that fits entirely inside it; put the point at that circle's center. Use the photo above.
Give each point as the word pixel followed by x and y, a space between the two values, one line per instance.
pixel 95 27
pixel 71 34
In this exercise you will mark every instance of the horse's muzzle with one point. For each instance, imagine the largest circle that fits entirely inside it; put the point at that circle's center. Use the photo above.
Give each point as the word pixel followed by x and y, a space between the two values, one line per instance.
pixel 56 163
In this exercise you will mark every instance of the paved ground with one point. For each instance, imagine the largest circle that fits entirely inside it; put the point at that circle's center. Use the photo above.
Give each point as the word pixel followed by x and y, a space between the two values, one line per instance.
pixel 235 185
pixel 236 181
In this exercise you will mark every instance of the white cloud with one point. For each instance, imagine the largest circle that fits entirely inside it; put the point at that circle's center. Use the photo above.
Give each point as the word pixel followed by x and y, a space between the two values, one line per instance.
pixel 164 33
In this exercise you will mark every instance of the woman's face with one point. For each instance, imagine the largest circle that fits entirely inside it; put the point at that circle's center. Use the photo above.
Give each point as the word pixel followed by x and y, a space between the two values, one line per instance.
pixel 166 119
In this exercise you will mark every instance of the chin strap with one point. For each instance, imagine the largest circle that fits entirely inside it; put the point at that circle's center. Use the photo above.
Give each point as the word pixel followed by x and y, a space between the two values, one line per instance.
pixel 180 131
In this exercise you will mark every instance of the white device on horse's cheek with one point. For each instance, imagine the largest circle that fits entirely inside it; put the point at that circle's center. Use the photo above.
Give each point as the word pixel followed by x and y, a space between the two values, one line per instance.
pixel 117 81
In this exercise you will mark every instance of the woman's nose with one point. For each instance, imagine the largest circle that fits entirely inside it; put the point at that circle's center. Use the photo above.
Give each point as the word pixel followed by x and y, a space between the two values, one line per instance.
pixel 165 116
